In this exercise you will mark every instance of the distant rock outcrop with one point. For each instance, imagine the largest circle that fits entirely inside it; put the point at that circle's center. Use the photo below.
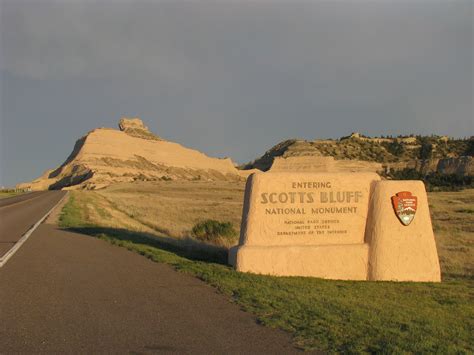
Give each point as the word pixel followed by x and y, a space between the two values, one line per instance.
pixel 136 123
pixel 460 166
pixel 323 165
pixel 105 156
pixel 380 154
pixel 136 128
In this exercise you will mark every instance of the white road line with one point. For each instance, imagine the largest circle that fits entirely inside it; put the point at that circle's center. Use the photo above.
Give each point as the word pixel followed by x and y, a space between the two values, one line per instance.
pixel 24 238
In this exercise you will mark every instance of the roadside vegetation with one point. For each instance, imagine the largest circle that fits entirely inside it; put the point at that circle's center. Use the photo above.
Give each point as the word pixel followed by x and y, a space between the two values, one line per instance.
pixel 175 207
pixel 10 193
pixel 177 223
pixel 215 232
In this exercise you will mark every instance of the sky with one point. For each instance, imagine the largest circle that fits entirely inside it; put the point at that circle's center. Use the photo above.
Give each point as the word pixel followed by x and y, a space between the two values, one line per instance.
pixel 229 78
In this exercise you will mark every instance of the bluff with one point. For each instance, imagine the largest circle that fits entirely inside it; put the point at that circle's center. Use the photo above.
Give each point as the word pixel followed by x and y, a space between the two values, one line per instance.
pixel 357 152
pixel 105 156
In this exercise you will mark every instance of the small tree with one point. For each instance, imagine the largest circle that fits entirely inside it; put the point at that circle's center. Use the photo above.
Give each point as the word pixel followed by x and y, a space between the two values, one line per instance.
pixel 396 148
pixel 426 149
pixel 470 147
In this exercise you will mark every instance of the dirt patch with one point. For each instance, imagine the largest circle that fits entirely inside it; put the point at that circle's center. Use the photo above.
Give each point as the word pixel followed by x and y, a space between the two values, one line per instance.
pixel 53 217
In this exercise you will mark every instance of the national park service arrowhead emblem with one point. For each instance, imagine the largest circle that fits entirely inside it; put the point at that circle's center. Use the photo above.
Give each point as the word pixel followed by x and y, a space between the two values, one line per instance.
pixel 405 204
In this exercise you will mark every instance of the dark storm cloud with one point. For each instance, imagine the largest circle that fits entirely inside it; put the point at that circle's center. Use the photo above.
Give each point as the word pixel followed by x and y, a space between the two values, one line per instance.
pixel 230 78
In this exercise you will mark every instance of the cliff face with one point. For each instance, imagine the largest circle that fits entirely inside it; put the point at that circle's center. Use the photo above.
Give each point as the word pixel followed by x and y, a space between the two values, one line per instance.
pixel 463 166
pixel 105 156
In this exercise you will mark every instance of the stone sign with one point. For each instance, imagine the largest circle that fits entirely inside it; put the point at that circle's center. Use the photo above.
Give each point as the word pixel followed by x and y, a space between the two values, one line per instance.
pixel 336 226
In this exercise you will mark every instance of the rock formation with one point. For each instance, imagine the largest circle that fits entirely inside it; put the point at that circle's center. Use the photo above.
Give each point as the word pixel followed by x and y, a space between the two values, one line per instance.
pixel 360 153
pixel 460 166
pixel 135 128
pixel 323 165
pixel 105 156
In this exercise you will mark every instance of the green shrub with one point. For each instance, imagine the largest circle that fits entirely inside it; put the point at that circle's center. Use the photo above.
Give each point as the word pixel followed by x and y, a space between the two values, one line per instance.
pixel 470 147
pixel 435 181
pixel 211 230
pixel 406 174
pixel 426 148
pixel 396 148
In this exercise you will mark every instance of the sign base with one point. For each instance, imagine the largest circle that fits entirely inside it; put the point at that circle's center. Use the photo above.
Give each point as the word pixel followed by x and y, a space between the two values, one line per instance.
pixel 342 262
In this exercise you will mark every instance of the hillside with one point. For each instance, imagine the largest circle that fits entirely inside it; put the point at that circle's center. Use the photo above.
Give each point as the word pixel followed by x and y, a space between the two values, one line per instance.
pixel 425 154
pixel 105 156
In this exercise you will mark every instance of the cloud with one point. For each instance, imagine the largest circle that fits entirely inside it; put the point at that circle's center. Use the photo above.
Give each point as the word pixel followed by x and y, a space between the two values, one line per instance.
pixel 57 39
pixel 233 78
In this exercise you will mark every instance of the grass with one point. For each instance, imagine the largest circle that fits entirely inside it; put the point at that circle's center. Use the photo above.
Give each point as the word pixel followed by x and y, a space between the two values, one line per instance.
pixel 4 194
pixel 214 231
pixel 333 316
pixel 173 208
pixel 452 216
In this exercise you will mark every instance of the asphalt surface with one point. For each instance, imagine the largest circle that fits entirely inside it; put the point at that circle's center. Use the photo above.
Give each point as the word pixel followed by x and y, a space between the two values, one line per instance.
pixel 64 292
pixel 19 213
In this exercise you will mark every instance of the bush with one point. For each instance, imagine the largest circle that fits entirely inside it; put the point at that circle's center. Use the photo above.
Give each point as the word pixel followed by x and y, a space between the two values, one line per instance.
pixel 435 181
pixel 211 230
pixel 470 147
pixel 448 182
pixel 396 148
pixel 406 174
pixel 426 149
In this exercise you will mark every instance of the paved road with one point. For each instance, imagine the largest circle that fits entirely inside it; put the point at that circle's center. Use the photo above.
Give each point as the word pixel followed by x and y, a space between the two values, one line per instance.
pixel 66 292
pixel 19 213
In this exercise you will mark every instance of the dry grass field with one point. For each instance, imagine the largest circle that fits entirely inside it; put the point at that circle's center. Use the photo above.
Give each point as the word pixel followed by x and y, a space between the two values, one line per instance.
pixel 170 209
pixel 6 194
pixel 173 207
pixel 166 211
pixel 452 215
